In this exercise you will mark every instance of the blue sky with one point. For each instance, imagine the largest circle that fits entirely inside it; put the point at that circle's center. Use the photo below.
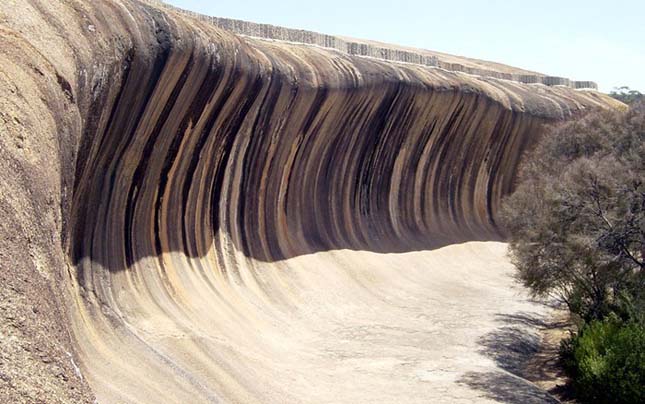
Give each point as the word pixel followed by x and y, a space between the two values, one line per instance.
pixel 603 41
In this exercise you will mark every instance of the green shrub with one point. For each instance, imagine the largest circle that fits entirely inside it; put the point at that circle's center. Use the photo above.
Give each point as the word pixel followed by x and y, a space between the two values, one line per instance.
pixel 606 361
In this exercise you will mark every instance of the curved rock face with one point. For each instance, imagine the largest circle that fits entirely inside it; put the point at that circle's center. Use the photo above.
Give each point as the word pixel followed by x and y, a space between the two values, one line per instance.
pixel 212 217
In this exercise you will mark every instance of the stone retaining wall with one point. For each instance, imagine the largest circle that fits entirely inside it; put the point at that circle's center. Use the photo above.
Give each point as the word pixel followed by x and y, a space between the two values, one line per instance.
pixel 273 32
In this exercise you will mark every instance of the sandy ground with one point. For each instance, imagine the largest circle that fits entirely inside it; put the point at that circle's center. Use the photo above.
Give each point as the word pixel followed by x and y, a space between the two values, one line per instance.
pixel 544 368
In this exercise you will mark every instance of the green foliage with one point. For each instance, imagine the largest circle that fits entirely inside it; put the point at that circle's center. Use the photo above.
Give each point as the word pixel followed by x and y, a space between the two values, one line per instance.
pixel 576 222
pixel 607 361
pixel 624 94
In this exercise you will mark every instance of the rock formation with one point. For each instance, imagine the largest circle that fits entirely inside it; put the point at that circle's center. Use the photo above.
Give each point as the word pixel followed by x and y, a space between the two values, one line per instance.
pixel 193 215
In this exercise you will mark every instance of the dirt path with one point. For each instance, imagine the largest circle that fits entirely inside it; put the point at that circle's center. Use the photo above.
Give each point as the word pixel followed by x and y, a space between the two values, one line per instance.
pixel 543 368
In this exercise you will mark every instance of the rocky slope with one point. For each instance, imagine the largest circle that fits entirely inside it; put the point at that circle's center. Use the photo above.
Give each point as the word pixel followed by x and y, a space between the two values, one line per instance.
pixel 192 215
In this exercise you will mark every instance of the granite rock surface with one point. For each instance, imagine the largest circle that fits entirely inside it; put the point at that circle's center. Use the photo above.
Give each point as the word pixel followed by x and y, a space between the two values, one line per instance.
pixel 192 215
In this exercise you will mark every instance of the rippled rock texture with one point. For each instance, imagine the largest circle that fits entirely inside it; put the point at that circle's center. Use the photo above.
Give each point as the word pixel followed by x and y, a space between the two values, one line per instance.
pixel 189 215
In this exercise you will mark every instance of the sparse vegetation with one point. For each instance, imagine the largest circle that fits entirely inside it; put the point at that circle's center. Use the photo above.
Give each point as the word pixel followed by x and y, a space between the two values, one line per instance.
pixel 627 95
pixel 576 225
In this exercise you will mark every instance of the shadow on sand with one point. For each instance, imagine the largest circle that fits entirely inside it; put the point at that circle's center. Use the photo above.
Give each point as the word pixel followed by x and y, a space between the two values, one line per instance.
pixel 511 346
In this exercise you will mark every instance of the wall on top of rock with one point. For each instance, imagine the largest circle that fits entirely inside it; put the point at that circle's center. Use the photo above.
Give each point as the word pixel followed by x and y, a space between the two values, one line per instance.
pixel 359 48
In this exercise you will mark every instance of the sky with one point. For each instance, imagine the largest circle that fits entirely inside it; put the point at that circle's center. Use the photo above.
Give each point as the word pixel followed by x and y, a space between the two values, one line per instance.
pixel 601 41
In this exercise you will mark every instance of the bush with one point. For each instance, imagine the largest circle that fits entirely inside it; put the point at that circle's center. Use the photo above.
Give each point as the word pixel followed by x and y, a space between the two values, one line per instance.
pixel 576 222
pixel 607 362
pixel 576 231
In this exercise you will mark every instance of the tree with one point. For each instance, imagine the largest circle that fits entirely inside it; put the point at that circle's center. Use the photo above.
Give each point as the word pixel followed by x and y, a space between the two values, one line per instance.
pixel 576 222
pixel 626 95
